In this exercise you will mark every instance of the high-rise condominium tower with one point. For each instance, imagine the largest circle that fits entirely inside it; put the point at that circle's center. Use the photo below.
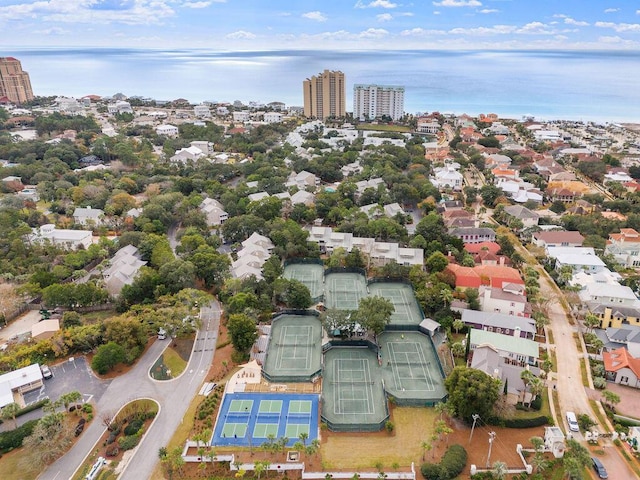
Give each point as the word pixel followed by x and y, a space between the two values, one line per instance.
pixel 14 82
pixel 375 101
pixel 324 95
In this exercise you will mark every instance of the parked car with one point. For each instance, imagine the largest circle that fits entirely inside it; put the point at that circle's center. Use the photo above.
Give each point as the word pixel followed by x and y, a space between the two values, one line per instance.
pixel 46 371
pixel 80 427
pixel 599 468
pixel 572 420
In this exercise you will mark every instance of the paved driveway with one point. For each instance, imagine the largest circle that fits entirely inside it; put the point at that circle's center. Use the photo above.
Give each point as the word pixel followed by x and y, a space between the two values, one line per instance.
pixel 173 396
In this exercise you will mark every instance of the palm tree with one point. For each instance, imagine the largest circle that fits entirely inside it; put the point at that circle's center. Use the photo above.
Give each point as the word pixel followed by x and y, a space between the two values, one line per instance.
pixel 499 470
pixel 538 444
pixel 259 468
pixel 526 377
pixel 458 325
pixel 10 411
pixel 304 436
pixel 426 447
pixel 611 399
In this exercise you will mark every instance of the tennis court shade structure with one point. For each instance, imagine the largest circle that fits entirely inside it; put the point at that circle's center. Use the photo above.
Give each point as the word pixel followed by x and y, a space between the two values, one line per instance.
pixel 407 311
pixel 411 369
pixel 247 419
pixel 294 352
pixel 309 274
pixel 353 398
pixel 344 290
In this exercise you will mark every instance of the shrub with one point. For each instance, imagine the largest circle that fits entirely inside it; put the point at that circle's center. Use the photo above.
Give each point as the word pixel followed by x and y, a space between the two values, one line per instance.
pixel 115 427
pixel 519 422
pixel 431 471
pixel 600 383
pixel 585 421
pixel 133 427
pixel 112 451
pixel 13 438
pixel 536 404
pixel 112 438
pixel 128 442
pixel 453 461
pixel 87 408
pixel 452 464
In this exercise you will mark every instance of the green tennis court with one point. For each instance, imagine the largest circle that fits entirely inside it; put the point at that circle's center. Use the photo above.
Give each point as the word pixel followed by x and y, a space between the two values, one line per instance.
pixel 293 354
pixel 344 290
pixel 411 368
pixel 309 274
pixel 407 310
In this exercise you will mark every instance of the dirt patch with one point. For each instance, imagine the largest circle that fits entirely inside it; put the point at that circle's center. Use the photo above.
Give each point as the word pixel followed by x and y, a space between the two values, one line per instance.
pixel 183 346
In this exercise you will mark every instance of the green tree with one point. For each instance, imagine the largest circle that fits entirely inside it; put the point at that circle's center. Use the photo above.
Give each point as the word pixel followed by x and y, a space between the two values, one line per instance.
pixel 297 295
pixel 591 321
pixel 374 313
pixel 436 262
pixel 576 458
pixel 243 332
pixel 107 356
pixel 471 392
pixel 210 266
pixel 611 398
pixel 9 412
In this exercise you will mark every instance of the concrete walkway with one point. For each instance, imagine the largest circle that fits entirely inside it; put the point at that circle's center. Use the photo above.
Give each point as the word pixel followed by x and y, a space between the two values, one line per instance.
pixel 173 396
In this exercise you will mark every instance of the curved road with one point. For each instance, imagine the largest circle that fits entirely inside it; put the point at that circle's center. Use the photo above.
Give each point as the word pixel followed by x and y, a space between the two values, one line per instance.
pixel 173 396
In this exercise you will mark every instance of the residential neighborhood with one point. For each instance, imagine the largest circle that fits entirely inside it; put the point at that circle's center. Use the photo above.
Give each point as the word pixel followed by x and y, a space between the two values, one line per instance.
pixel 344 273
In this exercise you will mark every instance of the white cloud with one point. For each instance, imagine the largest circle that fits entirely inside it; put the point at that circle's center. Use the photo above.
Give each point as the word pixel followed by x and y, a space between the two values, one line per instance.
pixel 458 3
pixel 611 10
pixel 241 35
pixel 436 12
pixel 376 4
pixel 53 31
pixel 488 10
pixel 421 32
pixel 196 4
pixel 620 27
pixel 577 23
pixel 384 17
pixel 140 12
pixel 535 28
pixel 480 31
pixel 317 16
pixel 373 33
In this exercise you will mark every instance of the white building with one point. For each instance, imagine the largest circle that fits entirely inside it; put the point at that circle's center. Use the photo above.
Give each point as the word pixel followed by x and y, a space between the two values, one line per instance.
pixel 625 247
pixel 70 239
pixel 167 130
pixel 510 300
pixel 302 180
pixel 428 125
pixel 189 154
pixel 119 107
pixel 214 212
pixel 272 117
pixel 374 101
pixel 242 116
pixel 202 111
pixel 254 253
pixel 17 382
pixel 447 177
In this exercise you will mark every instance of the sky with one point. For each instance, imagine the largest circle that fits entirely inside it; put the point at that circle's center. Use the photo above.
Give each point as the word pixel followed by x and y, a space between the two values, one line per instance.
pixel 258 25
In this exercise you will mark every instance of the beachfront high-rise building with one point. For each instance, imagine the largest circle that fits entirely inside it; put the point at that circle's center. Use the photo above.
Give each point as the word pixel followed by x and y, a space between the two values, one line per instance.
pixel 376 101
pixel 324 95
pixel 14 82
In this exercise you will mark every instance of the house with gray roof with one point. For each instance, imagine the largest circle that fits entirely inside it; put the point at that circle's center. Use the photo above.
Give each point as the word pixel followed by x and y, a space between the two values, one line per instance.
pixel 474 234
pixel 88 216
pixel 123 269
pixel 526 216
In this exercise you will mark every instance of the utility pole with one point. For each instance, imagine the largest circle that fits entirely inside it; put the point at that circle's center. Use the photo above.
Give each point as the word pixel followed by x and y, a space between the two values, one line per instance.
pixel 492 435
pixel 475 417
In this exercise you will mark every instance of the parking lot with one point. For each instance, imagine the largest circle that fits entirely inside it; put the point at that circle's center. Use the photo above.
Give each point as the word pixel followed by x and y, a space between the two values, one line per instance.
pixel 71 375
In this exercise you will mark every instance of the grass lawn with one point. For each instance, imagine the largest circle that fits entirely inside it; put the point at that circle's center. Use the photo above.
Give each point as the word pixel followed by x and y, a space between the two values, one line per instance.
pixel 384 128
pixel 93 317
pixel 361 451
pixel 545 410
pixel 16 465
pixel 174 362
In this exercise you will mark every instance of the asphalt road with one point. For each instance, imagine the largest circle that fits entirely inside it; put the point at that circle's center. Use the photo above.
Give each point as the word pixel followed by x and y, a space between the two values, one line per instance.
pixel 173 396
pixel 572 394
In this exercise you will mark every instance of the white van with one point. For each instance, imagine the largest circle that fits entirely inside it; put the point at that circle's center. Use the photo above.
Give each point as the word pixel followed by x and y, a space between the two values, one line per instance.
pixel 572 421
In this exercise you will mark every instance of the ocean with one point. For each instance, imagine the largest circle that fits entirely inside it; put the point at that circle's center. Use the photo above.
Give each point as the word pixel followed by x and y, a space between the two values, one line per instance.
pixel 574 85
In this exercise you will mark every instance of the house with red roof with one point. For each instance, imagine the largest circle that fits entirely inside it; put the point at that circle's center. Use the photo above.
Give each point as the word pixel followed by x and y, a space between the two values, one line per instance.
pixel 491 247
pixel 490 275
pixel 621 367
